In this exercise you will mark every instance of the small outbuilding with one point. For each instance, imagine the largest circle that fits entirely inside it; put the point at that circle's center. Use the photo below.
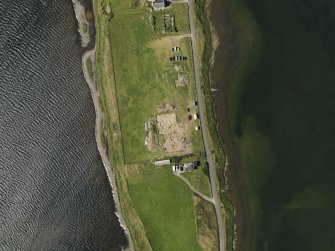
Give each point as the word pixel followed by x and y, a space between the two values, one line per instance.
pixel 162 162
pixel 158 4
pixel 188 166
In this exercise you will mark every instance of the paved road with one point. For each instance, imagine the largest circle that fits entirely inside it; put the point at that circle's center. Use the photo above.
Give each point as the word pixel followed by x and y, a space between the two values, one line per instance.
pixel 193 188
pixel 204 131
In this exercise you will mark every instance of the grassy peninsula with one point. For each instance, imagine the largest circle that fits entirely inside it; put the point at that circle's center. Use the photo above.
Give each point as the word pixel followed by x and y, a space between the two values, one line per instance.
pixel 146 81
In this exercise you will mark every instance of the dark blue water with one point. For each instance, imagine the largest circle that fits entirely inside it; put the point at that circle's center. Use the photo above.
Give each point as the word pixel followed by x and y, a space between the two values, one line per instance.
pixel 54 192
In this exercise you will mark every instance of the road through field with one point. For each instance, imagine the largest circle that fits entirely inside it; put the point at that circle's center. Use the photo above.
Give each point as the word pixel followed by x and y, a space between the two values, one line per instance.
pixel 204 129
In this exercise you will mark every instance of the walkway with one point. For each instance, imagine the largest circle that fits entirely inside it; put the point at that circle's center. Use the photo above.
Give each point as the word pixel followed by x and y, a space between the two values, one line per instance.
pixel 193 188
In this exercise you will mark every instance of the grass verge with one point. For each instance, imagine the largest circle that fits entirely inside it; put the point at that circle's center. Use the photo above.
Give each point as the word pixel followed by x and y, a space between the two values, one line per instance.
pixel 204 41
pixel 206 224
pixel 89 68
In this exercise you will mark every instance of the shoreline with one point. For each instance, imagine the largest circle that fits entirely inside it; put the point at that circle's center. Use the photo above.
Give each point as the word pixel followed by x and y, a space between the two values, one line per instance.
pixel 226 53
pixel 89 53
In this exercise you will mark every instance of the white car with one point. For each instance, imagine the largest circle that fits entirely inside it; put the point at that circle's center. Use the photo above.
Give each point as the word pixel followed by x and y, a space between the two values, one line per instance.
pixel 175 168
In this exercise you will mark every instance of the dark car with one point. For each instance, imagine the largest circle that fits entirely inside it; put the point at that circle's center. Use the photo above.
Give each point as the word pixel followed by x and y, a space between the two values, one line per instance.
pixel 195 164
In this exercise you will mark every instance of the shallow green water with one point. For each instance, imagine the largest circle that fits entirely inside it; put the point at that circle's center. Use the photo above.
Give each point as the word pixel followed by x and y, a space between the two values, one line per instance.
pixel 285 126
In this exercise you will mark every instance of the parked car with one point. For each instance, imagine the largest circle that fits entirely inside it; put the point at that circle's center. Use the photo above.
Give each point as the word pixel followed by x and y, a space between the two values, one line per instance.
pixel 175 168
pixel 196 164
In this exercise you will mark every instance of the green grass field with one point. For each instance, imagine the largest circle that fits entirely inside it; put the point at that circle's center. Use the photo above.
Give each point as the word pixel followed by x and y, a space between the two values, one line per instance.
pixel 144 77
pixel 181 19
pixel 156 205
pixel 199 179
pixel 164 204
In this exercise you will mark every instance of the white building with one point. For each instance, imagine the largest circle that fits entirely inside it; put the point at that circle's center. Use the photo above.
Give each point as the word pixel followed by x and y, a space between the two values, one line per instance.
pixel 162 162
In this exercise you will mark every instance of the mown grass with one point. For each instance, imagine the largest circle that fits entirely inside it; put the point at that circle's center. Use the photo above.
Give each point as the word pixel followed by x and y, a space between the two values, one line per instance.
pixel 119 6
pixel 164 203
pixel 144 78
pixel 199 177
pixel 133 221
pixel 199 180
pixel 181 19
pixel 133 78
pixel 112 134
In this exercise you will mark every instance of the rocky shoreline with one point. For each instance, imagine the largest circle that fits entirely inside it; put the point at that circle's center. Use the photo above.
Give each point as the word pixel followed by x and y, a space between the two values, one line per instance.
pixel 225 56
pixel 88 42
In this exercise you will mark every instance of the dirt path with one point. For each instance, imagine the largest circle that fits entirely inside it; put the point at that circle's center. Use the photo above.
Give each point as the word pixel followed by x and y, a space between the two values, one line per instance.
pixel 193 189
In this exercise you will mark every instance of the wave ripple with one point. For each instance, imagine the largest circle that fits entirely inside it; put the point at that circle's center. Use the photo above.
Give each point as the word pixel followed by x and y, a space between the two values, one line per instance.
pixel 54 192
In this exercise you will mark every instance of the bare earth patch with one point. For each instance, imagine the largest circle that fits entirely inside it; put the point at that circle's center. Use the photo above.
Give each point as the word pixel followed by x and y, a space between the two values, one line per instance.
pixel 164 108
pixel 175 134
pixel 151 138
pixel 182 80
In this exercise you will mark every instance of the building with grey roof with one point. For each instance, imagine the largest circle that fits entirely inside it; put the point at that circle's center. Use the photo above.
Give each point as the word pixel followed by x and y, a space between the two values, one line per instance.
pixel 158 4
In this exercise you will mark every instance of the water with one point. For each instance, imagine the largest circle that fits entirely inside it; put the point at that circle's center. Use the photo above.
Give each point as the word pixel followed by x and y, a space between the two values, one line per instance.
pixel 54 192
pixel 284 126
pixel 225 76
